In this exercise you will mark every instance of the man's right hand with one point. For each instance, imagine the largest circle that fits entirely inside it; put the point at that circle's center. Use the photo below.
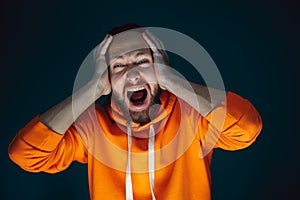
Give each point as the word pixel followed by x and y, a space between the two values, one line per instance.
pixel 61 116
pixel 100 76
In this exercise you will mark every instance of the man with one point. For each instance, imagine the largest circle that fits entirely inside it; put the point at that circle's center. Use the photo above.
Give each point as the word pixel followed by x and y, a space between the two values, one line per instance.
pixel 153 137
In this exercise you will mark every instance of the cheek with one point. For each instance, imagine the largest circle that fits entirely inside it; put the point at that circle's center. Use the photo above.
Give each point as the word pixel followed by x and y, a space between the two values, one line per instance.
pixel 148 74
pixel 117 84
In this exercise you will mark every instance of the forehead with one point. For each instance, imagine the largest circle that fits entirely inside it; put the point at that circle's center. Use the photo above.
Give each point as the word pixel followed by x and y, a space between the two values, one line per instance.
pixel 126 42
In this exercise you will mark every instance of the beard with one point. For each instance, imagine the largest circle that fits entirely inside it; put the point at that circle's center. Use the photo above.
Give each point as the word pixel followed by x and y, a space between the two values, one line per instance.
pixel 141 117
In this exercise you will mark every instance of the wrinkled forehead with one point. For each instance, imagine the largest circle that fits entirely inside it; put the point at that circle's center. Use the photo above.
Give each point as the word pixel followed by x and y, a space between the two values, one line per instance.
pixel 126 42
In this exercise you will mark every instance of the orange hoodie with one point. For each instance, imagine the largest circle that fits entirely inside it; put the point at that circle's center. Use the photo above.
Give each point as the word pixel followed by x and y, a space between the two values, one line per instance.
pixel 119 154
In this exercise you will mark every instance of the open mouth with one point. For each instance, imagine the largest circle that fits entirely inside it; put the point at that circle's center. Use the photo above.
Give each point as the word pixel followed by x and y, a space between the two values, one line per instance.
pixel 138 98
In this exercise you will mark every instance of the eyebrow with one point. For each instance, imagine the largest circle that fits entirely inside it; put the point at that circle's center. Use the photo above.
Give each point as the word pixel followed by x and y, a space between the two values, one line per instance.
pixel 139 53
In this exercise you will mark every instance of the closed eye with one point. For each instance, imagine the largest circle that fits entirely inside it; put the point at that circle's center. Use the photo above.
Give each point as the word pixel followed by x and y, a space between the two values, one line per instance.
pixel 118 65
pixel 143 61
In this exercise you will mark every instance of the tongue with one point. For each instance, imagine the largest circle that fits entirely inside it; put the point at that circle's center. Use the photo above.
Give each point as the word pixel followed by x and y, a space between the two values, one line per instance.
pixel 137 95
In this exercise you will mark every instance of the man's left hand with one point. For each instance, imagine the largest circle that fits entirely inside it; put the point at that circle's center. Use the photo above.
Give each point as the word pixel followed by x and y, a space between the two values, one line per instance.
pixel 161 61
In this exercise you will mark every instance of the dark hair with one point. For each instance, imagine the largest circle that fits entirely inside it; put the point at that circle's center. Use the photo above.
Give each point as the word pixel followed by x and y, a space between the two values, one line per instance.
pixel 125 27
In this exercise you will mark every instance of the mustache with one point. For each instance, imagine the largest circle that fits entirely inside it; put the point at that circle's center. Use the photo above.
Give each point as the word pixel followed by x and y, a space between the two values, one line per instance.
pixel 144 116
pixel 127 85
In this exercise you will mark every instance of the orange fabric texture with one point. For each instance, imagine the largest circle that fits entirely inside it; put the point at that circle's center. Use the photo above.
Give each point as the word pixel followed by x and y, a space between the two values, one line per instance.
pixel 184 143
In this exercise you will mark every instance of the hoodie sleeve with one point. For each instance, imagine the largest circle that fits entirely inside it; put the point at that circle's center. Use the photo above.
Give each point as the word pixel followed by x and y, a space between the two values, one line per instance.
pixel 234 124
pixel 37 148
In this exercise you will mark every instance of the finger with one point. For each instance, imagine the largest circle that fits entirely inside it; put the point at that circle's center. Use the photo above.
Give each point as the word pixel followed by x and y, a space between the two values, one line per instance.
pixel 106 45
pixel 100 61
pixel 158 56
pixel 101 43
pixel 100 68
pixel 159 45
pixel 108 85
pixel 157 51
pixel 155 39
pixel 99 47
pixel 150 43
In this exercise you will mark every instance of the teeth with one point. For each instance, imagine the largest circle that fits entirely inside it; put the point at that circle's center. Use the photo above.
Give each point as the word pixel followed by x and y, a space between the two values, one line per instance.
pixel 135 89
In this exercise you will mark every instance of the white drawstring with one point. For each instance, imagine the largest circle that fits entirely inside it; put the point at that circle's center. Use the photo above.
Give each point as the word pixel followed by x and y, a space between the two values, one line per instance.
pixel 151 162
pixel 129 193
pixel 151 159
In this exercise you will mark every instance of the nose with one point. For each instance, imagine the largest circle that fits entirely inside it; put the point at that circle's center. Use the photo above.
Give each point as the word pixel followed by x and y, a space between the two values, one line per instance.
pixel 133 75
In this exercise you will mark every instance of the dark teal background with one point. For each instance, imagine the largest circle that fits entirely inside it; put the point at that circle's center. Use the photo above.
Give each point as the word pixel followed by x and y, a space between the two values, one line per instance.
pixel 255 45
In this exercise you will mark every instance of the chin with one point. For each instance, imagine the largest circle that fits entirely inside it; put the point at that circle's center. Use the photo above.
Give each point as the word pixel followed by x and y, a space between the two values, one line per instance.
pixel 142 116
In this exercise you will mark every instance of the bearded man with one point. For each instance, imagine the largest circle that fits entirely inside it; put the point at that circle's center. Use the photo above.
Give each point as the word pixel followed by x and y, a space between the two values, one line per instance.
pixel 154 136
